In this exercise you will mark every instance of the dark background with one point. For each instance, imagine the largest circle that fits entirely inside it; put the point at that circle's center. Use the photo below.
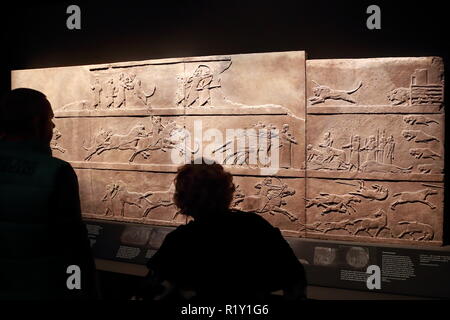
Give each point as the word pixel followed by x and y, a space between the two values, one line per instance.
pixel 35 35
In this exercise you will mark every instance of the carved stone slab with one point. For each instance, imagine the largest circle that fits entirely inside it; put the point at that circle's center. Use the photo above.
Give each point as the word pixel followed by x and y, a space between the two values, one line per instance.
pixel 359 143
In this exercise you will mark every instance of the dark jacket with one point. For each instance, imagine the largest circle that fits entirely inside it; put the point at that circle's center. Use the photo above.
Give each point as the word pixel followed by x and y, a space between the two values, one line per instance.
pixel 236 255
pixel 41 231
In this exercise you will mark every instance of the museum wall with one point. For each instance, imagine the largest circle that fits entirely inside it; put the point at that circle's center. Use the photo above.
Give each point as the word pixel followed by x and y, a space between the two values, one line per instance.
pixel 377 104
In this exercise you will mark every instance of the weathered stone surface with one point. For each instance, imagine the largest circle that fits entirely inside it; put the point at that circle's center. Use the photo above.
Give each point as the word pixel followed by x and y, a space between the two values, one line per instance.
pixel 359 143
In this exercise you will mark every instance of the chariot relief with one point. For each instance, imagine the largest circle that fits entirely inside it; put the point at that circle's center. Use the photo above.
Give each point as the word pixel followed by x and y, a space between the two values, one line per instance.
pixel 268 198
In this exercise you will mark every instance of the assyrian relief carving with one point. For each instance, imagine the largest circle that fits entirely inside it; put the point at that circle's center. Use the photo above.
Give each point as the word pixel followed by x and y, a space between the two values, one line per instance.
pixel 419 120
pixel 118 201
pixel 54 143
pixel 407 83
pixel 424 153
pixel 378 221
pixel 364 161
pixel 195 88
pixel 426 87
pixel 323 93
pixel 379 213
pixel 278 200
pixel 376 192
pixel 268 198
pixel 374 155
pixel 256 143
pixel 349 144
pixel 142 140
pixel 114 90
pixel 418 136
pixel 414 197
pixel 417 230
pixel 333 203
pixel 430 168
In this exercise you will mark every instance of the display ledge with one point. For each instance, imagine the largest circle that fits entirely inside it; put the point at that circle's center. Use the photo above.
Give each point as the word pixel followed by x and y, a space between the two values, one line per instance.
pixel 344 109
pixel 171 168
pixel 375 176
pixel 195 111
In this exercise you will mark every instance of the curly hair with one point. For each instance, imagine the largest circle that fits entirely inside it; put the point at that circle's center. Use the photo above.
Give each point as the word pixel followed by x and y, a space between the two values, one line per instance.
pixel 203 189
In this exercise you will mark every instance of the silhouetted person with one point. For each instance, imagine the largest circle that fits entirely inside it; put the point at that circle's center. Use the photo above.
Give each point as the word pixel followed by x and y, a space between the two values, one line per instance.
pixel 221 255
pixel 41 231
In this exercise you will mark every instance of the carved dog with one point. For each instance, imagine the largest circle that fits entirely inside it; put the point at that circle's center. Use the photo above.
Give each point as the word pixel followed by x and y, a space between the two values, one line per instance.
pixel 374 166
pixel 418 135
pixel 323 93
pixel 378 192
pixel 411 197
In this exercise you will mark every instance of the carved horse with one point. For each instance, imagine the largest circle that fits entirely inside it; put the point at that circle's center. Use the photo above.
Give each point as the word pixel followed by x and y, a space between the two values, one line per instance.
pixel 272 205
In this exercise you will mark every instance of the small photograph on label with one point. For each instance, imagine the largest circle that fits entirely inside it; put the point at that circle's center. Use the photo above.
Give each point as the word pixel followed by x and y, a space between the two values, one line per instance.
pixel 135 236
pixel 357 257
pixel 324 256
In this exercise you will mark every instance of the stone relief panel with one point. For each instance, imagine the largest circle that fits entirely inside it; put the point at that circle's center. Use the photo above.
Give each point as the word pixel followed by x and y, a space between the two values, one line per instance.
pixel 384 84
pixel 132 196
pixel 391 146
pixel 375 211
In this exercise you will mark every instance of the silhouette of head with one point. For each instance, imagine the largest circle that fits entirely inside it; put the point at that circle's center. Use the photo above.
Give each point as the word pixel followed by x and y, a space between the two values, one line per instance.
pixel 203 190
pixel 26 114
